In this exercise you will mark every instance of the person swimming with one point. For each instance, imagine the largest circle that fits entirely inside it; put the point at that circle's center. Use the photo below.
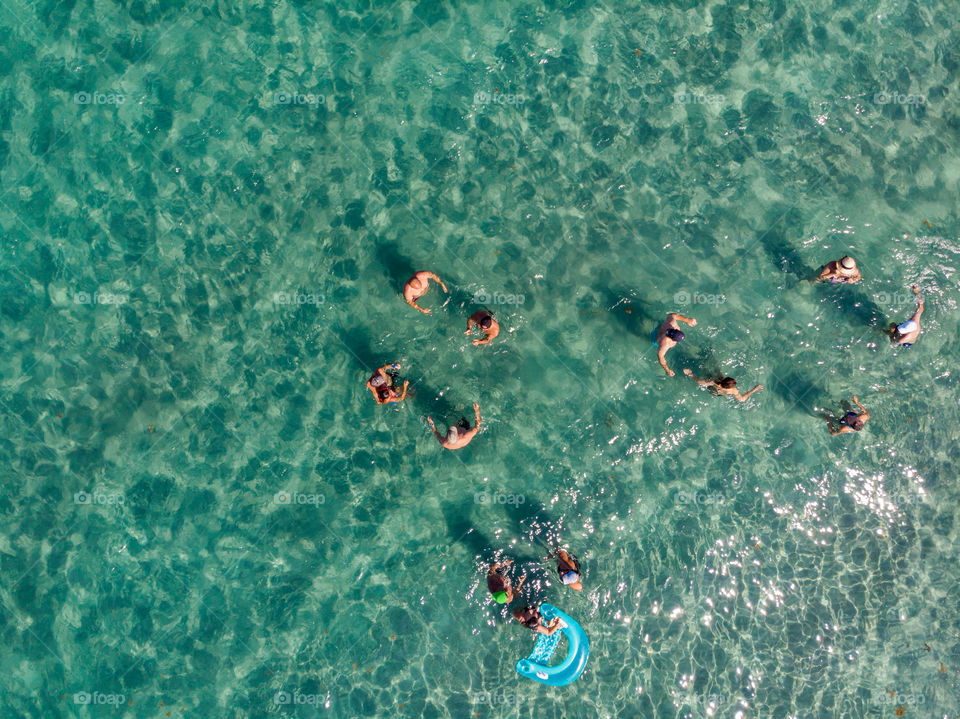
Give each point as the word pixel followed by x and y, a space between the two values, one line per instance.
pixel 843 270
pixel 851 421
pixel 723 386
pixel 568 567
pixel 498 582
pixel 533 620
pixel 906 333
pixel 669 335
pixel 417 286
pixel 381 385
pixel 461 434
pixel 484 320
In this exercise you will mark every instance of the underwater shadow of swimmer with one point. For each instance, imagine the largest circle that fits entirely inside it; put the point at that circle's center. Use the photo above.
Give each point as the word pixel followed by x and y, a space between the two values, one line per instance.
pixel 357 344
pixel 783 254
pixel 430 402
pixel 396 266
pixel 639 318
pixel 462 530
pixel 797 391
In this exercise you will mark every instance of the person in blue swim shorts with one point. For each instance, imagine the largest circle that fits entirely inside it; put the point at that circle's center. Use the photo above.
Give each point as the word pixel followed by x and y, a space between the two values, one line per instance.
pixel 906 333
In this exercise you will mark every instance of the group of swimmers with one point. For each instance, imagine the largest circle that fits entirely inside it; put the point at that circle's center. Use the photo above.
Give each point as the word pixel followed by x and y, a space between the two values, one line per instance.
pixel 668 335
pixel 842 271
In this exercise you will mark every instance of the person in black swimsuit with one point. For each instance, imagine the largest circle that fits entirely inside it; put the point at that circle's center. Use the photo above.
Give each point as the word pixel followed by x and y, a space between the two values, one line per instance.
pixel 851 421
pixel 533 620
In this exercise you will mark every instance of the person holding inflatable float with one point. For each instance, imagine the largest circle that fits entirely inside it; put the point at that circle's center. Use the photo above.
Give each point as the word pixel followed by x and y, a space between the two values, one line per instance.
pixel 905 334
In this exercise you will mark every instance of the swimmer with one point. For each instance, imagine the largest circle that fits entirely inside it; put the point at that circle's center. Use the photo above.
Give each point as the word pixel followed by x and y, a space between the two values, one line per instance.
pixel 669 335
pixel 417 287
pixel 723 386
pixel 459 436
pixel 381 384
pixel 842 270
pixel 498 582
pixel 851 421
pixel 568 567
pixel 906 334
pixel 484 320
pixel 533 620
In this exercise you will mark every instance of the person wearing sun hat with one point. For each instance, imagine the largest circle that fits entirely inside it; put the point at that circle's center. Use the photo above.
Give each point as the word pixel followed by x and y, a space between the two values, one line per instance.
pixel 842 270
pixel 906 333
pixel 498 582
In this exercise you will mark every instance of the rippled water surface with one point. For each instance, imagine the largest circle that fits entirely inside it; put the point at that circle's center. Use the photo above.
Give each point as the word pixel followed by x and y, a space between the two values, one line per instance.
pixel 207 214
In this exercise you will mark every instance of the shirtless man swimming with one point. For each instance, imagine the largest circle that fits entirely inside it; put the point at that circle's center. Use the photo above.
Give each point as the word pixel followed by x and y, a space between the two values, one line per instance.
pixel 669 335
pixel 906 334
pixel 723 386
pixel 460 435
pixel 484 320
pixel 842 270
pixel 417 287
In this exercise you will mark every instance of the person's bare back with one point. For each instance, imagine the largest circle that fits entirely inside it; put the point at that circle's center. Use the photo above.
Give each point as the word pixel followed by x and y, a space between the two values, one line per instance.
pixel 417 286
pixel 457 437
pixel 484 320
pixel 669 335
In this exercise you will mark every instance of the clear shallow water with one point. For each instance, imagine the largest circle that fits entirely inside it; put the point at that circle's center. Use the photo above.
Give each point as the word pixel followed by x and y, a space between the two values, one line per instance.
pixel 739 560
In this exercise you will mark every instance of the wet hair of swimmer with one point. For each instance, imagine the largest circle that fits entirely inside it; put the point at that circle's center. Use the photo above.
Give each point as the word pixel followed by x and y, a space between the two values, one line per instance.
pixel 847 262
pixel 727 382
pixel 452 434
pixel 487 322
pixel 383 392
pixel 675 334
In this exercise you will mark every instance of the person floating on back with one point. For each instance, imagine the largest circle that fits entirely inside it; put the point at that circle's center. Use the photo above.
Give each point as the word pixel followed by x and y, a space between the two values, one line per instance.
pixel 723 386
pixel 851 421
pixel 568 567
pixel 458 436
pixel 842 270
pixel 498 582
pixel 417 287
pixel 381 384
pixel 533 620
pixel 669 335
pixel 484 320
pixel 906 334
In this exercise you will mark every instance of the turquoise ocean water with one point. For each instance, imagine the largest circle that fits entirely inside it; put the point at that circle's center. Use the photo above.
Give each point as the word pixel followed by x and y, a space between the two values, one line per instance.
pixel 207 213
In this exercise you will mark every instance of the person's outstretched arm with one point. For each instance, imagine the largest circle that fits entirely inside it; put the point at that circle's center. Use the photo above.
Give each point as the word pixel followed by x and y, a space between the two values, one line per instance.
pixel 434 277
pixel 866 415
pixel 700 382
pixel 916 315
pixel 476 414
pixel 436 434
pixel 663 361
pixel 689 320
pixel 744 397
pixel 413 303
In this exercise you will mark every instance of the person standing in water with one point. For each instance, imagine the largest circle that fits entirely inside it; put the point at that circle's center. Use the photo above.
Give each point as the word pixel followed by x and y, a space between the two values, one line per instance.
pixel 723 386
pixel 381 385
pixel 851 421
pixel 417 287
pixel 458 436
pixel 568 567
pixel 498 582
pixel 906 334
pixel 484 320
pixel 669 335
pixel 842 270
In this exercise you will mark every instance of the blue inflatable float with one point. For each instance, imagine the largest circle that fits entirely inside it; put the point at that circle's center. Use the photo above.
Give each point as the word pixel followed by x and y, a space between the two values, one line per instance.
pixel 536 666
